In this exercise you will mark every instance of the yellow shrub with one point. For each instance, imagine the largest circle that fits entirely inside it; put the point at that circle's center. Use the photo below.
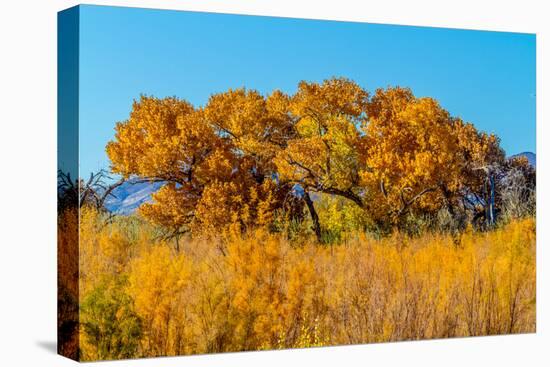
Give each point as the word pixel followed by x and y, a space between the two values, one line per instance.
pixel 258 291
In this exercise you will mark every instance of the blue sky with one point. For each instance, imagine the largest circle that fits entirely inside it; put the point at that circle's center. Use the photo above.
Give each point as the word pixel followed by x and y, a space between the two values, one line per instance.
pixel 487 78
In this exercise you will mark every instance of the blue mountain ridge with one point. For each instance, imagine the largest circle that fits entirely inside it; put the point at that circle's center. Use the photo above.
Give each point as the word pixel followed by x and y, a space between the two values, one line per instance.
pixel 126 198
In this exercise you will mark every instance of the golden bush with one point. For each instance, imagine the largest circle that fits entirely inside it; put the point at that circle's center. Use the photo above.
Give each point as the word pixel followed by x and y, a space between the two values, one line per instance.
pixel 260 291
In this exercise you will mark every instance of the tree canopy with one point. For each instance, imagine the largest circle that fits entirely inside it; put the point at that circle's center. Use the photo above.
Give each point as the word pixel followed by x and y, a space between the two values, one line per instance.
pixel 238 159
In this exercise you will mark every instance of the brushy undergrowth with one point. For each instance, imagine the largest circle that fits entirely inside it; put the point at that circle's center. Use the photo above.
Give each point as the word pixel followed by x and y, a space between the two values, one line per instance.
pixel 141 298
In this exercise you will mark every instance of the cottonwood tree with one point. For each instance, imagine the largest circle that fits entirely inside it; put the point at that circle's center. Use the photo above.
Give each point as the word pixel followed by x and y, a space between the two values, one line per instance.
pixel 164 141
pixel 214 161
pixel 237 159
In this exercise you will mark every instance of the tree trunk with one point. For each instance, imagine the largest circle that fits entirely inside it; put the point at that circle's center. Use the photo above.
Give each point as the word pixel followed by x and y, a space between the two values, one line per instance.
pixel 177 238
pixel 314 216
pixel 491 199
pixel 448 200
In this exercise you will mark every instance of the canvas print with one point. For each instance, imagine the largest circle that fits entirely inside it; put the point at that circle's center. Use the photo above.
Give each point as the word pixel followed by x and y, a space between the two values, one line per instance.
pixel 235 183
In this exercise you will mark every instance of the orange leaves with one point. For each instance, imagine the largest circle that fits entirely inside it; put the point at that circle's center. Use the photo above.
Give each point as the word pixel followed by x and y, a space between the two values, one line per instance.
pixel 212 159
pixel 148 142
pixel 391 154
pixel 237 113
pixel 337 96
pixel 385 104
pixel 171 207
pixel 253 125
pixel 418 155
pixel 230 203
pixel 298 162
pixel 324 151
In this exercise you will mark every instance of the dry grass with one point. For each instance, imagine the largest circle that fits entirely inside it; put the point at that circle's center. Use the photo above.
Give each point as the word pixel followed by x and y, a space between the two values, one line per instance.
pixel 260 292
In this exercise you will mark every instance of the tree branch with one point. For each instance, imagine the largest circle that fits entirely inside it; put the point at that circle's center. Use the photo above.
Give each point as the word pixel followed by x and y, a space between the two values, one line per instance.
pixel 407 204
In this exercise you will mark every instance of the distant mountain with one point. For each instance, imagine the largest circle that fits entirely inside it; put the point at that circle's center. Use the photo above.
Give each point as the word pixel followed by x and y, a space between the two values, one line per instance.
pixel 126 198
pixel 531 157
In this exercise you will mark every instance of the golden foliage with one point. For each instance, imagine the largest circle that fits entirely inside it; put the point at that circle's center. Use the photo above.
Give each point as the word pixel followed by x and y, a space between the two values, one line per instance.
pixel 418 158
pixel 221 152
pixel 157 284
pixel 325 151
pixel 392 154
pixel 262 292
